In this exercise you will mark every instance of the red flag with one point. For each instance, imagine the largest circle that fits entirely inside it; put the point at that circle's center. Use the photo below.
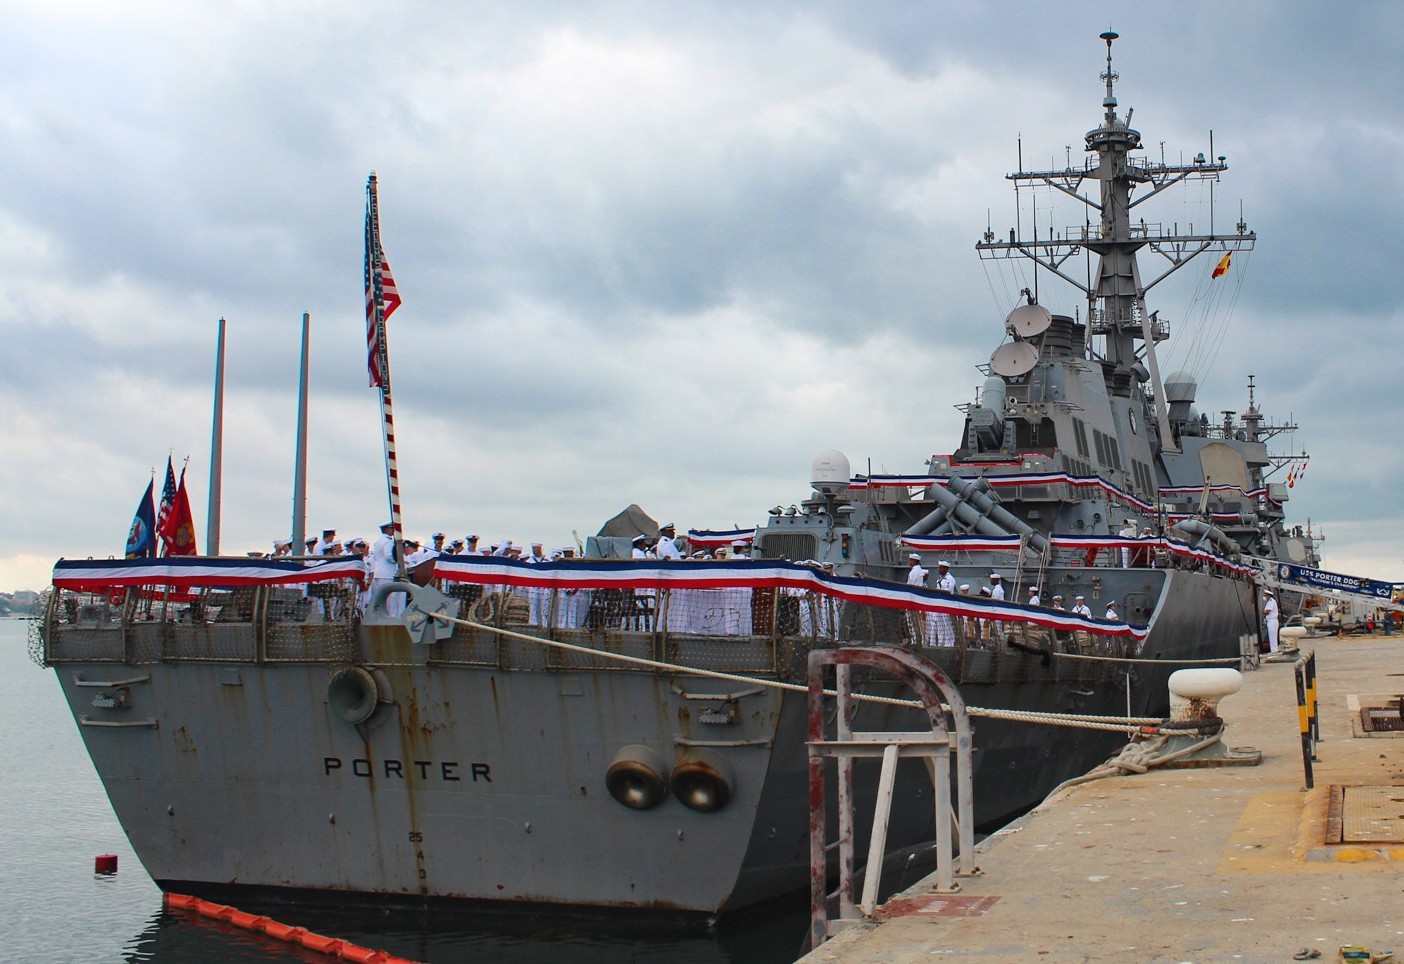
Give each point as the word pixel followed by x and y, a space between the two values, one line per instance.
pixel 1222 267
pixel 180 527
pixel 163 511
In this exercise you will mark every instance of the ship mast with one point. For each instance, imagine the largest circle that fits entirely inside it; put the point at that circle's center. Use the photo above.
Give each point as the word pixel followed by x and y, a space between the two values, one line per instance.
pixel 1116 298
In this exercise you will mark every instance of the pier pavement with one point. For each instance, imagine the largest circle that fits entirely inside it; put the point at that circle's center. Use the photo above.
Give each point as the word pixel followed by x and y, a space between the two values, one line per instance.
pixel 1201 865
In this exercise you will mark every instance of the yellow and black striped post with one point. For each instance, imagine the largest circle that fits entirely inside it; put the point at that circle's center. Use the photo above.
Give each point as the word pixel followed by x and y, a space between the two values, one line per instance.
pixel 1304 716
pixel 1312 715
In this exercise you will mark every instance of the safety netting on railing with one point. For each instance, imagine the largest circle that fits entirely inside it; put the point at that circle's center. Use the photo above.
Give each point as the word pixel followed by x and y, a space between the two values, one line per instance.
pixel 234 610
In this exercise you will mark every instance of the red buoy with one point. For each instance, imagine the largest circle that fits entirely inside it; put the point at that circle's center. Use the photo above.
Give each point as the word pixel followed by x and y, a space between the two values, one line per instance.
pixel 105 864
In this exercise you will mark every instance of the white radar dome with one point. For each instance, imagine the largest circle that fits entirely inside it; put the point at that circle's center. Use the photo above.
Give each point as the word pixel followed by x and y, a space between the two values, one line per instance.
pixel 1180 387
pixel 829 472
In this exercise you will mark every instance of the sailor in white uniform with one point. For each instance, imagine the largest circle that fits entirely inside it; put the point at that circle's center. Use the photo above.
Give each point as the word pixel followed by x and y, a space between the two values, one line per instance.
pixel 945 623
pixel 1270 618
pixel 383 570
pixel 1128 531
pixel 916 576
pixel 1081 608
pixel 322 545
pixel 1034 599
pixel 1111 612
pixel 667 549
pixel 538 597
pixel 996 586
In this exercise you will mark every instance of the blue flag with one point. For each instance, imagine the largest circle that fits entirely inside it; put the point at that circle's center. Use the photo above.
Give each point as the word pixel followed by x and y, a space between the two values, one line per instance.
pixel 141 538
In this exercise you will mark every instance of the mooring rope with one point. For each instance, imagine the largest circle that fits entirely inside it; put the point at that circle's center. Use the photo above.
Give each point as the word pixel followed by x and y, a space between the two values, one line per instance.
pixel 1140 659
pixel 1074 720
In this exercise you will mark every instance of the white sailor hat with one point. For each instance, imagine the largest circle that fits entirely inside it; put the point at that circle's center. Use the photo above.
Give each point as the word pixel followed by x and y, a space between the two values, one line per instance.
pixel 639 538
pixel 944 563
pixel 1033 590
pixel 914 556
pixel 1079 596
pixel 995 575
pixel 1111 603
pixel 437 535
pixel 473 538
pixel 386 525
pixel 328 532
pixel 282 543
pixel 666 526
pixel 965 587
pixel 738 544
pixel 1267 592
pixel 1056 596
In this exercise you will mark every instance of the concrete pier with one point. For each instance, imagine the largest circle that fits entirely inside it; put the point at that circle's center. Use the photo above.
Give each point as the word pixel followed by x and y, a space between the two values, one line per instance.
pixel 1235 863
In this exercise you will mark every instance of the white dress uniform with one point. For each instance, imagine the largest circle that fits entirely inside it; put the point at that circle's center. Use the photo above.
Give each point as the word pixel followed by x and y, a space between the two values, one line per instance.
pixel 1270 620
pixel 667 548
pixel 945 624
pixel 381 562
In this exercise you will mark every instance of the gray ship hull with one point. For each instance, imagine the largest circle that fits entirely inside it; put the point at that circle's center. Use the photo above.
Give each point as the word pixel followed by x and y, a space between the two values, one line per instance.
pixel 488 783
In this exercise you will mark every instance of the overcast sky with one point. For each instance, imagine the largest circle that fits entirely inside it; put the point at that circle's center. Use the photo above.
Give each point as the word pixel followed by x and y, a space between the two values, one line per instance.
pixel 649 252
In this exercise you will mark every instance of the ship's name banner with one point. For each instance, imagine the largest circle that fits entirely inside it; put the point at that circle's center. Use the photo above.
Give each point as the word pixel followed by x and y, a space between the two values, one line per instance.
pixel 1321 579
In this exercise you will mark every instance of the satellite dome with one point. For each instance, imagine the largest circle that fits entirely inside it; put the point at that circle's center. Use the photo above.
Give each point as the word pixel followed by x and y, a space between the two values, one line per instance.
pixel 829 472
pixel 1180 387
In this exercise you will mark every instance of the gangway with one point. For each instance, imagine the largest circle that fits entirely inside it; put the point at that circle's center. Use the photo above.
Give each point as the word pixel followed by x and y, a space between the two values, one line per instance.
pixel 949 736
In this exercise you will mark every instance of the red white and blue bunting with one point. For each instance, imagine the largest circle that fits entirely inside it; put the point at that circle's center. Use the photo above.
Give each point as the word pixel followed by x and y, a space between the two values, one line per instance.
pixel 100 575
pixel 96 575
pixel 1083 544
pixel 1006 482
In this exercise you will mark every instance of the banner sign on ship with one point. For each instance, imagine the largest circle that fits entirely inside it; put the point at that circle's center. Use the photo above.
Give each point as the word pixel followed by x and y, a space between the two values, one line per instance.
pixel 1321 579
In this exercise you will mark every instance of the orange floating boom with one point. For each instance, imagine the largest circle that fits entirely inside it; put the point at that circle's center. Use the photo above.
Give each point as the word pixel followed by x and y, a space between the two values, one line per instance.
pixel 331 946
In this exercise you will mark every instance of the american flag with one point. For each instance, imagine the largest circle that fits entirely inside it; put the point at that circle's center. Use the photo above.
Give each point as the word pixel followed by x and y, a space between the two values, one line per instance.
pixel 163 512
pixel 385 282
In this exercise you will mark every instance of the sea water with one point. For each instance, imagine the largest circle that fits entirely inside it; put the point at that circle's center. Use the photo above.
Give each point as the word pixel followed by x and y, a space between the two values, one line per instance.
pixel 55 819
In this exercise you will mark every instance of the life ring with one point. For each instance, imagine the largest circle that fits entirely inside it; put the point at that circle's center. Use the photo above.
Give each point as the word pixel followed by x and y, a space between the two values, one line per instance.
pixel 701 782
pixel 635 778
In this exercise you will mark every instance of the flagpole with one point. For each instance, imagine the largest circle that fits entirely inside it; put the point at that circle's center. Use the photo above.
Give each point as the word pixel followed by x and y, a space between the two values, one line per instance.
pixel 375 260
pixel 216 450
pixel 299 516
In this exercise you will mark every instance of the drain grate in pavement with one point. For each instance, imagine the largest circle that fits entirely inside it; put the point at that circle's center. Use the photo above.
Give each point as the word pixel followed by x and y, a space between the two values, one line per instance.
pixel 1366 815
pixel 1382 719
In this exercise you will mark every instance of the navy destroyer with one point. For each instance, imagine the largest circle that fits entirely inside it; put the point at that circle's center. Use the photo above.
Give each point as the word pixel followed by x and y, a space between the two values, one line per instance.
pixel 537 734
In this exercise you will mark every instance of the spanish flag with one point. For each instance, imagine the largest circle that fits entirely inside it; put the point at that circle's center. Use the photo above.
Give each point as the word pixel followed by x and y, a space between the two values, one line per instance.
pixel 1222 267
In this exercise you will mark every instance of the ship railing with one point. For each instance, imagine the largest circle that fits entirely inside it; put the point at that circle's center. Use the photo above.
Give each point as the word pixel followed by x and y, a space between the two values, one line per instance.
pixel 751 617
pixel 155 622
pixel 764 629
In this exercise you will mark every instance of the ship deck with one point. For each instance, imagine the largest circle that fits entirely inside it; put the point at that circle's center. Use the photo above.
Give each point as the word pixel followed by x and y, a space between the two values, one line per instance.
pixel 1221 864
